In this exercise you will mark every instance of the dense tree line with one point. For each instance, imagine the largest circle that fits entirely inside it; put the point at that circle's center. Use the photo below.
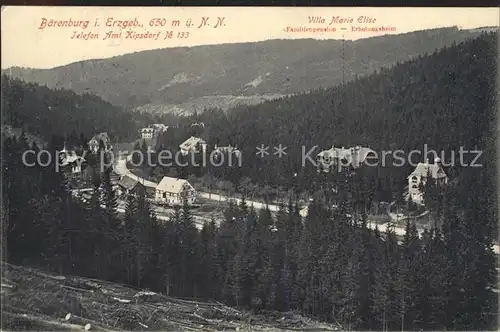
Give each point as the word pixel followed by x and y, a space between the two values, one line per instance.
pixel 45 112
pixel 328 264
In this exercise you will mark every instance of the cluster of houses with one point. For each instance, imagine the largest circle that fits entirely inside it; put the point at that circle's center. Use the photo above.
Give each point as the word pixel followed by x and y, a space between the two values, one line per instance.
pixel 339 159
pixel 174 191
pixel 156 129
pixel 170 191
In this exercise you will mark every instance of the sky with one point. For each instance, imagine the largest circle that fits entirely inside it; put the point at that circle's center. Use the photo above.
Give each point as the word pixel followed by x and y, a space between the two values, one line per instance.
pixel 29 39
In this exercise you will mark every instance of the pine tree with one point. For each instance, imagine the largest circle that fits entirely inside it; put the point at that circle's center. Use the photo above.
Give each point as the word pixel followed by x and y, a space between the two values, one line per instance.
pixel 206 276
pixel 368 245
pixel 172 254
pixel 189 244
pixel 385 297
pixel 432 283
pixel 96 234
pixel 408 274
pixel 294 232
pixel 145 220
pixel 309 258
pixel 136 157
pixel 109 200
pixel 226 249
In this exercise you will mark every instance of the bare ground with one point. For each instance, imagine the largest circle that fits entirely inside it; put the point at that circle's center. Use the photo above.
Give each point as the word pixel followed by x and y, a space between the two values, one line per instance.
pixel 36 300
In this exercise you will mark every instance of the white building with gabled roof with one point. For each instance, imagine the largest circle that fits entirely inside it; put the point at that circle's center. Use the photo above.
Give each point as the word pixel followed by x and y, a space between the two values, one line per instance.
pixel 174 191
pixel 419 177
pixel 193 145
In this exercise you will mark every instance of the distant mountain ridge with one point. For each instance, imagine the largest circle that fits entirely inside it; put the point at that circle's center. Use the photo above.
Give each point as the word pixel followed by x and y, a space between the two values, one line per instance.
pixel 275 67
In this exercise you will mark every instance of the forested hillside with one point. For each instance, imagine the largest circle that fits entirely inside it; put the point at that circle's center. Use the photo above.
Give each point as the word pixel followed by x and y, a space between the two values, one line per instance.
pixel 45 112
pixel 445 100
pixel 175 75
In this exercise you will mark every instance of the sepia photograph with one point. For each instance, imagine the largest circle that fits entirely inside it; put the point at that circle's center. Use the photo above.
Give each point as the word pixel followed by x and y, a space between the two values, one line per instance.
pixel 249 169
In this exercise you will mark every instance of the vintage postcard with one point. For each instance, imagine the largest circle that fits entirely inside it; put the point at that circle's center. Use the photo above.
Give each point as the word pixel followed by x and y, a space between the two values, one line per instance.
pixel 249 169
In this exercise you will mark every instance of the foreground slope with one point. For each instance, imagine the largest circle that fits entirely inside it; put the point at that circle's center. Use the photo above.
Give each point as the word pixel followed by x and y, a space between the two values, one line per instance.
pixel 36 300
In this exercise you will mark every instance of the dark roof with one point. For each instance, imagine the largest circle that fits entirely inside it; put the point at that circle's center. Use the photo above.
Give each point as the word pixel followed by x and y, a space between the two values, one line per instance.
pixel 127 182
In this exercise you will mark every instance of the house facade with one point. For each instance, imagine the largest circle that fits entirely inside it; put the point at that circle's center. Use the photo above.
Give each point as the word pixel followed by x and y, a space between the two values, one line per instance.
pixel 336 159
pixel 174 191
pixel 193 145
pixel 71 164
pixel 152 131
pixel 94 143
pixel 147 133
pixel 419 177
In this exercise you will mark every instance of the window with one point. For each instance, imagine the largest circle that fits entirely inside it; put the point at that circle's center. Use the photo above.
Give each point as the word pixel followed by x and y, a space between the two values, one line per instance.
pixel 414 186
pixel 414 179
pixel 164 195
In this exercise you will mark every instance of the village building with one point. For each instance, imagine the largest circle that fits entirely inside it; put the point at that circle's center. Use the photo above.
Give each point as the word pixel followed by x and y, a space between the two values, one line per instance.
pixel 95 142
pixel 128 186
pixel 226 150
pixel 193 145
pixel 340 158
pixel 147 133
pixel 198 124
pixel 71 164
pixel 159 128
pixel 153 130
pixel 418 178
pixel 174 191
